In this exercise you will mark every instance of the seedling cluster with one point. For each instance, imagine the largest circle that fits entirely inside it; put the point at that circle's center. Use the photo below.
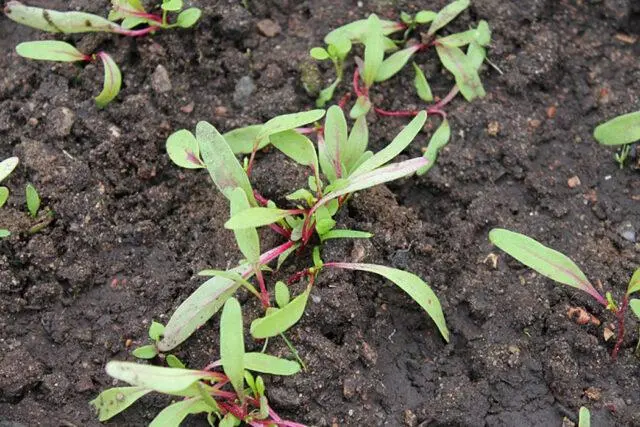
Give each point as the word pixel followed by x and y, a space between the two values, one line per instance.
pixel 31 195
pixel 621 131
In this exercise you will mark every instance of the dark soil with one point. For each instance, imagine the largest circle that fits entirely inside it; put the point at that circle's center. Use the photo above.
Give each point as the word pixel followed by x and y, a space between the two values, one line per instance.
pixel 131 229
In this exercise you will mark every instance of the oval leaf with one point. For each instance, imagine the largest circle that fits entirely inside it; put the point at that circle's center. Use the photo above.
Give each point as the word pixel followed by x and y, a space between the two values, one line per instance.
pixel 112 81
pixel 373 50
pixel 289 121
pixel 621 130
pixel 282 294
pixel 145 352
pixel 33 200
pixel 634 283
pixel 255 217
pixel 7 166
pixel 297 147
pixel 335 139
pixel 183 150
pixel 188 17
pixel 163 380
pixel 281 320
pixel 267 364
pixel 360 108
pixel 635 306
pixel 115 400
pixel 50 50
pixel 232 344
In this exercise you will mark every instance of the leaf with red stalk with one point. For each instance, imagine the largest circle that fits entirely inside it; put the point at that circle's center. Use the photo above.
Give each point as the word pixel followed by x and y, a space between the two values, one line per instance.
pixel 360 108
pixel 394 63
pixel 288 122
pixel 480 35
pixel 267 364
pixel 356 31
pixel 373 50
pixel 51 50
pixel 183 150
pixel 112 80
pixel 466 75
pixel 335 140
pixel 279 320
pixel 297 147
pixel 164 380
pixel 232 345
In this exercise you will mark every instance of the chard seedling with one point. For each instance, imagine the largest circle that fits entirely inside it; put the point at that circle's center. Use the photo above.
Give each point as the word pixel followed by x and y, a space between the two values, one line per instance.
pixel 228 397
pixel 622 130
pixel 6 167
pixel 560 268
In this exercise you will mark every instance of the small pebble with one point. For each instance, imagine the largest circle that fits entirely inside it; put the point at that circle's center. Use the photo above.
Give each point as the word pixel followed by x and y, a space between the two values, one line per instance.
pixel 269 28
pixel 493 128
pixel 243 90
pixel 627 231
pixel 573 182
pixel 187 108
pixel 160 80
pixel 551 112
pixel 61 120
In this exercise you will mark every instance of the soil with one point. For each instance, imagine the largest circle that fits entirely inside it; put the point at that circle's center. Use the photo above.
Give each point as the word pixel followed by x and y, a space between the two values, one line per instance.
pixel 131 230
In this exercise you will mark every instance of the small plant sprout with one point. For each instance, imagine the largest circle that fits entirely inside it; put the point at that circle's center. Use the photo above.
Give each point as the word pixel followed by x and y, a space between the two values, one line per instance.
pixel 150 351
pixel 6 167
pixel 52 50
pixel 622 130
pixel 225 390
pixel 132 14
pixel 560 268
pixel 33 200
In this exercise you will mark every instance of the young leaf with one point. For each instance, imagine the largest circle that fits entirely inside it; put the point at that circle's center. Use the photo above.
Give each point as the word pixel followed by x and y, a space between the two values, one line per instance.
pixel 360 108
pixel 345 234
pixel 224 168
pixel 7 166
pixel 417 289
pixel 145 352
pixel 282 294
pixel 50 50
pixel 188 17
pixel 447 14
pixel 242 140
pixel 297 147
pixel 459 39
pixel 395 62
pixel 124 8
pixel 183 150
pixel 621 130
pixel 4 195
pixel 476 55
pixel 584 417
pixel 634 283
pixel 115 400
pixel 133 21
pixel 174 362
pixel 267 364
pixel 256 217
pixel 156 330
pixel 247 238
pixel 281 320
pixel 4 233
pixel 483 33
pixel 373 50
pixel 544 260
pixel 425 16
pixel 635 306
pixel 171 5
pixel 112 81
pixel 335 139
pixel 319 53
pixel 163 380
pixel 356 144
pixel 356 31
pixel 33 200
pixel 462 69
pixel 174 414
pixel 284 255
pixel 326 94
pixel 288 121
pixel 399 143
pixel 438 140
pixel 421 84
pixel 232 345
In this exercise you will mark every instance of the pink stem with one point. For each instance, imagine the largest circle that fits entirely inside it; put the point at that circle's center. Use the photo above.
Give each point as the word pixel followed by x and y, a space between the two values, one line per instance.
pixel 620 316
pixel 136 33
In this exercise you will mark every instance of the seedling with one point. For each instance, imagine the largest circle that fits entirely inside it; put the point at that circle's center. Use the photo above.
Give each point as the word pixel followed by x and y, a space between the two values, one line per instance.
pixel 6 167
pixel 228 397
pixel 560 268
pixel 623 130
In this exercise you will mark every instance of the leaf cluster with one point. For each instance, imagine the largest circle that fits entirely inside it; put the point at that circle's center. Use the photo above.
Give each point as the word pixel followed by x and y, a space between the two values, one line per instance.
pixel 31 194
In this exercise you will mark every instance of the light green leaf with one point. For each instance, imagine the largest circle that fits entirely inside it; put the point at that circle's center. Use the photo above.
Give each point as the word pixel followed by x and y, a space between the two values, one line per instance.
pixel 319 53
pixel 301 194
pixel 228 421
pixel 171 5
pixel 267 364
pixel 112 81
pixel 483 33
pixel 115 400
pixel 635 307
pixel 163 380
pixel 288 121
pixel 281 320
pixel 356 144
pixel 145 352
pixel 360 108
pixel 282 294
pixel 33 200
pixel 231 275
pixel 232 345
pixel 4 233
pixel 124 9
pixel 242 140
pixel 174 362
pixel 425 16
pixel 458 39
pixel 188 17
pixel 50 50
pixel 297 147
pixel 224 168
pixel 447 14
pixel 417 289
pixel 476 55
pixel 373 50
pixel 621 130
pixel 393 64
pixel 132 21
pixel 327 93
pixel 174 414
pixel 335 139
pixel 634 283
pixel 356 31
pixel 345 234
pixel 247 238
pixel 183 150
pixel 421 84
pixel 4 195
pixel 7 166
pixel 399 143
pixel 463 70
pixel 156 330
pixel 438 140
pixel 284 255
pixel 58 22
pixel 255 217
pixel 584 417
pixel 544 260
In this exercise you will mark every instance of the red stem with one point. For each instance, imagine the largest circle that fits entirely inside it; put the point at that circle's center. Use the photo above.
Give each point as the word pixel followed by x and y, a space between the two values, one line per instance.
pixel 620 316
pixel 136 33
pixel 263 287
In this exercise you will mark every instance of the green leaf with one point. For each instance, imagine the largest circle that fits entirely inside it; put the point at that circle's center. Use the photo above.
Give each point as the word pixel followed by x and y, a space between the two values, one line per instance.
pixel 458 39
pixel 228 421
pixel 171 5
pixel 174 414
pixel 183 150
pixel 174 362
pixel 112 81
pixel 483 33
pixel 356 144
pixel 232 345
pixel 634 283
pixel 163 380
pixel 4 195
pixel 282 294
pixel 417 289
pixel 225 170
pixel 425 16
pixel 438 140
pixel 341 48
pixel 145 352
pixel 345 234
pixel 288 121
pixel 393 64
pixel 335 138
pixel 462 69
pixel 33 200
pixel 156 330
pixel 267 364
pixel 124 9
pixel 635 306
pixel 7 166
pixel 399 143
pixel 297 147
pixel 281 320
pixel 115 400
pixel 360 108
pixel 373 50
pixel 327 93
pixel 319 53
pixel 584 417
pixel 247 238
pixel 255 217
pixel 546 261
pixel 133 21
pixel 447 14
pixel 4 233
pixel 476 55
pixel 317 259
pixel 50 50
pixel 421 84
pixel 242 140
pixel 58 22
pixel 231 275
pixel 356 31
pixel 621 130
pixel 284 255
pixel 188 17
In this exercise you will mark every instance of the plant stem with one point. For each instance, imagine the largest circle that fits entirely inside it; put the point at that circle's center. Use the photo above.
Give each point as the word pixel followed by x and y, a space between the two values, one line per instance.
pixel 620 316
pixel 263 287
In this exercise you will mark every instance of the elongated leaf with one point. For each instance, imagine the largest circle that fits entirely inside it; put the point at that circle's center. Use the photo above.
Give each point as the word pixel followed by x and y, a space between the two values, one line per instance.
pixel 463 70
pixel 50 50
pixel 4 195
pixel 115 400
pixel 231 275
pixel 232 344
pixel 33 200
pixel 289 121
pixel 112 81
pixel 345 234
pixel 483 33
pixel 224 168
pixel 544 260
pixel 634 283
pixel 58 22
pixel 163 380
pixel 355 31
pixel 621 130
pixel 417 289
pixel 297 147
pixel 459 39
pixel 124 8
pixel 174 414
pixel 281 320
pixel 356 144
pixel 476 55
pixel 635 307
pixel 183 150
pixel 7 166
pixel 421 84
pixel 197 309
pixel 156 330
pixel 399 143
pixel 247 238
pixel 393 64
pixel 326 94
pixel 425 16
pixel 373 50
pixel 133 21
pixel 255 217
pixel 584 417
pixel 438 140
pixel 188 17
pixel 282 294
pixel 335 140
pixel 447 14
pixel 242 140
pixel 267 364
pixel 360 108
